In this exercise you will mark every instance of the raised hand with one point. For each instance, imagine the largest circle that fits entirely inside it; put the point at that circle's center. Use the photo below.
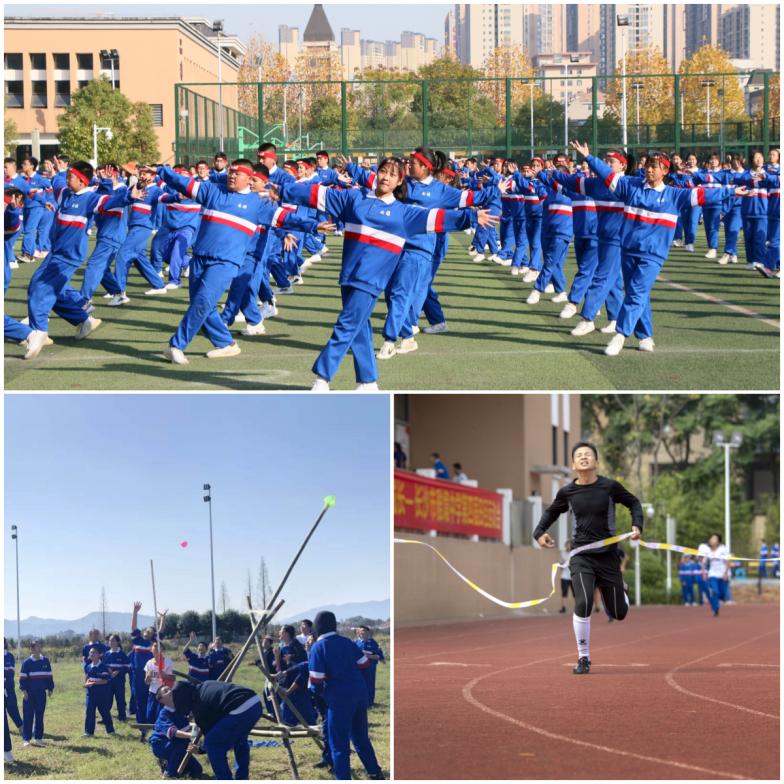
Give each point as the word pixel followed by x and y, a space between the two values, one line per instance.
pixel 485 219
pixel 503 185
pixel 326 226
pixel 137 606
pixel 583 149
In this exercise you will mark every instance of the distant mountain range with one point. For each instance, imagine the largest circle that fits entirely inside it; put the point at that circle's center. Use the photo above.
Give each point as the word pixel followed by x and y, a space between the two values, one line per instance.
pixel 121 622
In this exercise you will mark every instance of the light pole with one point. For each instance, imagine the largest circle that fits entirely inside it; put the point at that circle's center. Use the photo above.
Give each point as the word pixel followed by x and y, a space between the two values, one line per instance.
pixel 735 441
pixel 96 131
pixel 573 58
pixel 721 120
pixel 15 537
pixel 623 21
pixel 208 500
pixel 111 55
pixel 531 112
pixel 637 87
pixel 707 84
pixel 217 27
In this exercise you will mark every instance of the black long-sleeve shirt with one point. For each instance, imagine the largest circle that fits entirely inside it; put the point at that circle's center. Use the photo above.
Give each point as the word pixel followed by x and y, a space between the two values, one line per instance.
pixel 593 508
pixel 210 701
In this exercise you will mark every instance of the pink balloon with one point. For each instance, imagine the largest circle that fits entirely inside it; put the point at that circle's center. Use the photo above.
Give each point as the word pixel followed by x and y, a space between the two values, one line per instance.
pixel 183 544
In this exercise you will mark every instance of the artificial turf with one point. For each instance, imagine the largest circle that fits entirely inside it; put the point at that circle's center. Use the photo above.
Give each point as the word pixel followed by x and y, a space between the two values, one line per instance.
pixel 495 340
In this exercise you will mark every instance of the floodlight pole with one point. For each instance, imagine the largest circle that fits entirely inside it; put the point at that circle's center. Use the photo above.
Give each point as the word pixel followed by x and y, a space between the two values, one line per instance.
pixel 531 85
pixel 727 534
pixel 15 537
pixel 208 501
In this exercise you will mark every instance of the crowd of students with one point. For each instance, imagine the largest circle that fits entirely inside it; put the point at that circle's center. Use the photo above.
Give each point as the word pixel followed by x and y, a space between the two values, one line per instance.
pixel 331 682
pixel 250 225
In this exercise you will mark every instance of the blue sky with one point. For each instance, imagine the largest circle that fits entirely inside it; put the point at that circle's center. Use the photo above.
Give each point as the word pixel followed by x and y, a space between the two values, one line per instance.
pixel 100 484
pixel 376 21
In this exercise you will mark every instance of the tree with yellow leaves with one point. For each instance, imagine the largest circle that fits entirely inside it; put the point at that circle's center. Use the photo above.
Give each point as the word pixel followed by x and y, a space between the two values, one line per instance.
pixel 697 90
pixel 655 93
pixel 774 102
pixel 264 63
pixel 508 62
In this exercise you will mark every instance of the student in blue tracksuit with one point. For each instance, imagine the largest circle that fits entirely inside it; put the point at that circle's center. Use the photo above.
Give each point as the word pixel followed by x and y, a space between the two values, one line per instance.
pixel 335 666
pixel 439 466
pixel 378 224
pixel 181 221
pixel 713 176
pixel 534 213
pixel 293 679
pixel 732 218
pixel 61 163
pixel 12 224
pixel 93 641
pixel 35 683
pixel 693 213
pixel 514 239
pixel 771 266
pixel 141 642
pixel 374 654
pixel 763 563
pixel 119 667
pixel 97 685
pixel 686 577
pixel 488 176
pixel 35 221
pixel 231 212
pixel 680 178
pixel 158 671
pixel 774 553
pixel 225 713
pixel 198 663
pixel 169 743
pixel 218 658
pixel 698 580
pixel 754 210
pixel 650 213
pixel 11 706
pixel 49 288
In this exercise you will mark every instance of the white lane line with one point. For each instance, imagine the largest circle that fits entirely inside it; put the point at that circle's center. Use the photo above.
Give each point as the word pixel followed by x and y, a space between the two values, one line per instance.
pixel 469 697
pixel 594 666
pixel 454 664
pixel 670 679
pixel 745 664
pixel 717 301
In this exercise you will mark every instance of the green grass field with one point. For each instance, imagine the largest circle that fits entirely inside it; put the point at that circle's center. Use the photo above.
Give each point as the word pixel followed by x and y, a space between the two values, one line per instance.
pixel 68 755
pixel 495 341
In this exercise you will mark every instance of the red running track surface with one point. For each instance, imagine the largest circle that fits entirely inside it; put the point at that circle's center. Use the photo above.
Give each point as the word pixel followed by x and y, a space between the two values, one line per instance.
pixel 673 693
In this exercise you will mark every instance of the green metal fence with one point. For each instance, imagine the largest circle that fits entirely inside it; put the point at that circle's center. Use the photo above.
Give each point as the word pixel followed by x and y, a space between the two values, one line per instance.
pixel 511 117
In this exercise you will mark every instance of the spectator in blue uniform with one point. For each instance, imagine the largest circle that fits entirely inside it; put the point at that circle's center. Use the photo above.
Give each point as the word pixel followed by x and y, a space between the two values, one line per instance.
pixel 763 572
pixel 373 651
pixel 686 576
pixel 169 743
pixel 774 553
pixel 117 661
pixel 218 658
pixel 198 663
pixel 293 680
pixel 93 641
pixel 442 472
pixel 335 665
pixel 142 653
pixel 698 579
pixel 11 707
pixel 98 695
pixel 35 682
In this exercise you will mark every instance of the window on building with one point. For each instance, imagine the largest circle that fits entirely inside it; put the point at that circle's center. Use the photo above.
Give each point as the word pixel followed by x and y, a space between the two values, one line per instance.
pixel 37 62
pixel 38 95
pixel 13 62
pixel 14 97
pixel 157 114
pixel 62 62
pixel 62 94
pixel 84 62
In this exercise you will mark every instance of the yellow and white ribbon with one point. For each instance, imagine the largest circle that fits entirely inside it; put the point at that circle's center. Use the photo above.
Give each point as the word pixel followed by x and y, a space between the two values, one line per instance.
pixel 556 566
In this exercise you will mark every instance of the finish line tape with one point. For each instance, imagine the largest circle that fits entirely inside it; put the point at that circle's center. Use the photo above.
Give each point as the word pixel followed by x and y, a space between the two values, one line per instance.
pixel 556 566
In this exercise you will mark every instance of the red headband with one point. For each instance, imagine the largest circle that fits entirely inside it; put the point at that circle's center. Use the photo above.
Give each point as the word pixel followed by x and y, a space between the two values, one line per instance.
pixel 261 176
pixel 307 165
pixel 323 156
pixel 290 165
pixel 618 157
pixel 424 161
pixel 537 159
pixel 269 154
pixel 7 199
pixel 663 160
pixel 449 172
pixel 83 177
pixel 242 170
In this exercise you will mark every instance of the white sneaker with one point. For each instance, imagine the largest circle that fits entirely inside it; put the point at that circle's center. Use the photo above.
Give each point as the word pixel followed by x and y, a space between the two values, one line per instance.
pixel 615 345
pixel 305 265
pixel 480 257
pixel 288 290
pixel 371 386
pixel 609 328
pixel 531 276
pixel 268 310
pixel 36 340
pixel 12 265
pixel 320 385
pixel 569 310
pixel 387 350
pixel 172 286
pixel 155 292
pixel 733 259
pixel 725 259
pixel 9 757
pixel 436 329
pixel 25 321
pixel 118 299
pixel 646 344
pixel 407 345
pixel 186 273
pixel 254 329
pixel 515 271
pixel 161 275
pixel 549 289
pixel 26 743
pixel 583 328
pixel 88 307
pixel 339 232
pixel 415 329
pixel 37 742
pixel 107 295
pixel 467 231
pixel 227 351
pixel 711 254
pixel 690 248
pixel 88 327
pixel 559 298
pixel 677 243
pixel 314 258
pixel 504 262
pixel 240 318
pixel 297 280
pixel 534 297
pixel 750 266
pixel 472 251
pixel 324 251
pixel 175 355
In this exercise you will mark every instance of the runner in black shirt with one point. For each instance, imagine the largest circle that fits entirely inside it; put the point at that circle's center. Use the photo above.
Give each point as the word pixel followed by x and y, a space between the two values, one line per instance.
pixel 591 499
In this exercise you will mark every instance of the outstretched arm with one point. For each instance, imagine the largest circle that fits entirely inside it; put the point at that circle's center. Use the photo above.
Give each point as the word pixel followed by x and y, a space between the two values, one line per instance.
pixel 549 516
pixel 135 617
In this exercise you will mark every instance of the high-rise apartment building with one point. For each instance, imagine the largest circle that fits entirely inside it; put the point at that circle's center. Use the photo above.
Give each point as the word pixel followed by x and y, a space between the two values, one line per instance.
pixel 480 28
pixel 752 32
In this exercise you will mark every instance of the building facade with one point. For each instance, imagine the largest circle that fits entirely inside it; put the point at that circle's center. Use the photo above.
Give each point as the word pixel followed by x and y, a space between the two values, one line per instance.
pixel 752 32
pixel 48 59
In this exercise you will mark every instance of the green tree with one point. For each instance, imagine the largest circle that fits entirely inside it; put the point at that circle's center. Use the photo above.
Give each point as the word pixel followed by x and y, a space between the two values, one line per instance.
pixel 9 135
pixel 133 137
pixel 189 622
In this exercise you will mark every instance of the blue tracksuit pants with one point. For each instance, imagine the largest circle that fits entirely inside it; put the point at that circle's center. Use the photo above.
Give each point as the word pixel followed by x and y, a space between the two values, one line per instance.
pixel 173 752
pixel 639 275
pixel 33 709
pixel 45 231
pixel 134 251
pixel 352 331
pixel 158 247
pixel 552 269
pixel 733 222
pixel 7 734
pixel 14 330
pixel 533 230
pixel 687 591
pixel 486 236
pixel 412 275
pixel 606 286
pixel 718 590
pixel 711 218
pixel 755 235
pixel 8 247
pixel 514 240
pixel 117 696
pixel 99 270
pixel 692 221
pixel 507 236
pixel 432 305
pixel 773 255
pixel 176 251
pixel 11 706
pixel 369 675
pixel 153 708
pixel 347 723
pixel 33 229
pixel 243 293
pixel 303 703
pixel 313 243
pixel 208 281
pixel 49 290
pixel 140 692
pixel 98 698
pixel 231 732
pixel 586 252
pixel 275 258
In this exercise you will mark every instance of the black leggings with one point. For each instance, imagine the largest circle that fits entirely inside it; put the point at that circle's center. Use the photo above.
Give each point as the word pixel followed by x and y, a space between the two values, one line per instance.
pixel 602 571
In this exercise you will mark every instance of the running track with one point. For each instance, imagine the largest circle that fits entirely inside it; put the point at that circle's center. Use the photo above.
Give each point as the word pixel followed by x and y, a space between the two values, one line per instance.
pixel 674 694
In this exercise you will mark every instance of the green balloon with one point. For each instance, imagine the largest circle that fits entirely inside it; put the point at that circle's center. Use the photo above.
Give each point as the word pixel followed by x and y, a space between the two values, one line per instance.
pixel 329 501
